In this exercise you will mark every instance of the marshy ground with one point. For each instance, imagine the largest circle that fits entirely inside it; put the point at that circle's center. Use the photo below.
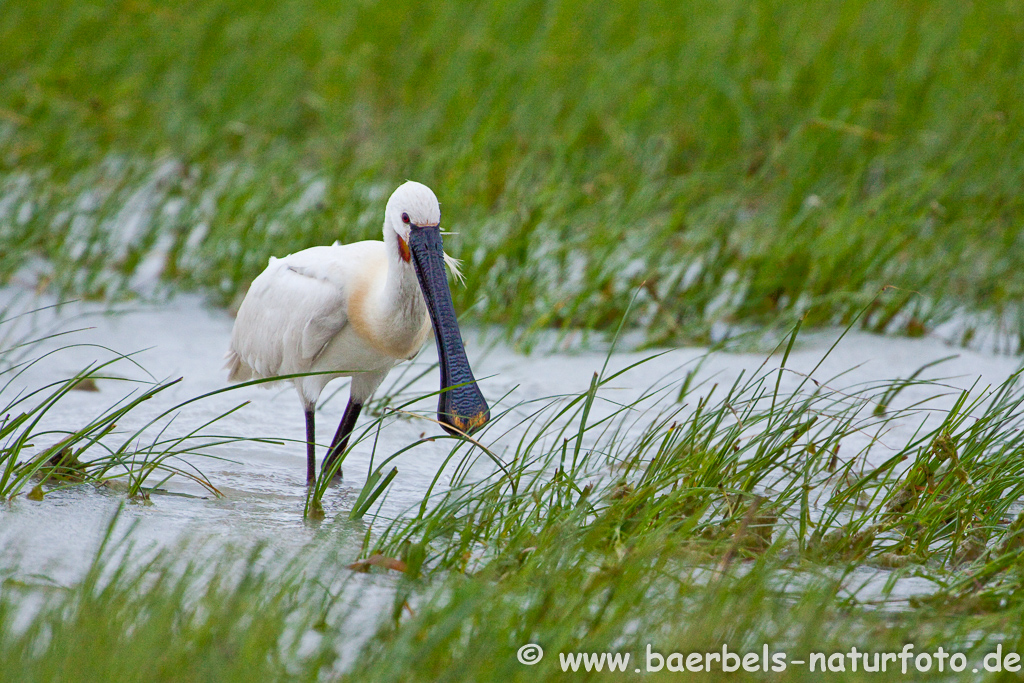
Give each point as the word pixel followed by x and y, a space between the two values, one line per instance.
pixel 766 258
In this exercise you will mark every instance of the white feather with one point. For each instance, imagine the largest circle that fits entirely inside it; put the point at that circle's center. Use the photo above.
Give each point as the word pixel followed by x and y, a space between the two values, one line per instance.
pixel 346 310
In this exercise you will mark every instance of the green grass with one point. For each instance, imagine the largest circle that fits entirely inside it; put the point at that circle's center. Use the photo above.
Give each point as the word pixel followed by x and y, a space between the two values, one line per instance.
pixel 243 613
pixel 234 615
pixel 742 469
pixel 40 448
pixel 742 515
pixel 745 161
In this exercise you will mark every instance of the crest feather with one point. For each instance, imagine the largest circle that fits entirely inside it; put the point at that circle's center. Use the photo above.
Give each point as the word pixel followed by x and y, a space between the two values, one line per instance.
pixel 454 265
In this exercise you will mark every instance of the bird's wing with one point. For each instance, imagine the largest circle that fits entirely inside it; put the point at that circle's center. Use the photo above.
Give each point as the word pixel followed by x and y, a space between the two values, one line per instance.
pixel 327 313
pixel 287 319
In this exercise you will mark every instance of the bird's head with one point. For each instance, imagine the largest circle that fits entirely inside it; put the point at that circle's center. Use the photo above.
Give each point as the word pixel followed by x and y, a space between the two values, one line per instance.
pixel 412 205
pixel 412 227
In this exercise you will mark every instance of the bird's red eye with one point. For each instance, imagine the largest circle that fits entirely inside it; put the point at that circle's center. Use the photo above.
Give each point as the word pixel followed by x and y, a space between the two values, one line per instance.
pixel 405 218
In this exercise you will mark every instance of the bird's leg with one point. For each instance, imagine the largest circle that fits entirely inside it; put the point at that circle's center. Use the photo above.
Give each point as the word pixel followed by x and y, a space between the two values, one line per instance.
pixel 348 422
pixel 310 447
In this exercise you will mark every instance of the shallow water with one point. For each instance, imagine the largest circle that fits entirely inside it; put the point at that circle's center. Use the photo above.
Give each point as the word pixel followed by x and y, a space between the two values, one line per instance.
pixel 263 483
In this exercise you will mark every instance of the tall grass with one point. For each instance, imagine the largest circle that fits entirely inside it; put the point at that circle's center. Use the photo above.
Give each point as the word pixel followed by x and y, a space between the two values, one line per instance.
pixel 735 162
pixel 244 612
pixel 747 515
pixel 224 613
pixel 750 515
pixel 745 161
pixel 40 449
pixel 736 470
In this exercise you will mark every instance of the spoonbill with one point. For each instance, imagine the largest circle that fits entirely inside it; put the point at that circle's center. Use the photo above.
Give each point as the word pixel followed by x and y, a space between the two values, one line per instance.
pixel 357 310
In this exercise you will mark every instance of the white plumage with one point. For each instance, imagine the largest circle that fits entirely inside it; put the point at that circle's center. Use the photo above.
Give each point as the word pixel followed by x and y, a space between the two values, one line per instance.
pixel 295 319
pixel 349 310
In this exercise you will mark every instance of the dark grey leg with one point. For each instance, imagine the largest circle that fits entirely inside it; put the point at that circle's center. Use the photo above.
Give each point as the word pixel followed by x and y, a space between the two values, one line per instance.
pixel 310 448
pixel 340 443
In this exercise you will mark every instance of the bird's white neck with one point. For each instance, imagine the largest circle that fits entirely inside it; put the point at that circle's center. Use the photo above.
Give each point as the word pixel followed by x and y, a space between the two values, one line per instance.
pixel 399 313
pixel 402 294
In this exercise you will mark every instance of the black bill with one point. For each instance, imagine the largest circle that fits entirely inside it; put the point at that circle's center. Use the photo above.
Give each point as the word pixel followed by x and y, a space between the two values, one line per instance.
pixel 460 404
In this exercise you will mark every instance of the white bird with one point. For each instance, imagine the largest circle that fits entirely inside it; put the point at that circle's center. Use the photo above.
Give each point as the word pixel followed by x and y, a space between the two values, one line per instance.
pixel 357 310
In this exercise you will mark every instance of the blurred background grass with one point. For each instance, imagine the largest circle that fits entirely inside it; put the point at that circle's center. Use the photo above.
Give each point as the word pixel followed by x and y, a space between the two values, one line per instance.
pixel 738 161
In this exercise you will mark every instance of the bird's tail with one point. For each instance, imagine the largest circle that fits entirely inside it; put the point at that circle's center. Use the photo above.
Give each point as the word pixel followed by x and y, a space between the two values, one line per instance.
pixel 238 370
